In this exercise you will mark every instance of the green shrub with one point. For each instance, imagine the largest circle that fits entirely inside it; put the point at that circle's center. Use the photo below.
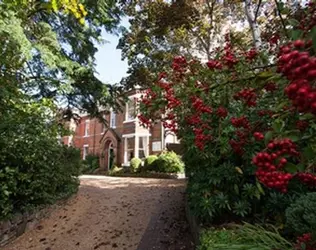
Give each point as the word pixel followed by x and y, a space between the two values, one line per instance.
pixel 35 169
pixel 169 162
pixel 301 215
pixel 135 164
pixel 90 164
pixel 150 163
pixel 115 170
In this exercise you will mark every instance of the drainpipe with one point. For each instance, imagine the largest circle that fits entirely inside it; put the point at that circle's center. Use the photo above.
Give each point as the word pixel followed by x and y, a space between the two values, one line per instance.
pixel 163 146
pixel 94 131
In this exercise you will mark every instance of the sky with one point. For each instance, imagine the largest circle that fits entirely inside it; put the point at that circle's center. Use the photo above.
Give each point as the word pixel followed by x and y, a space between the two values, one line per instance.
pixel 109 65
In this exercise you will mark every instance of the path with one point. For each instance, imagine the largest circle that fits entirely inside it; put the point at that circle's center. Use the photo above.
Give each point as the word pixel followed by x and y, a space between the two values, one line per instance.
pixel 115 213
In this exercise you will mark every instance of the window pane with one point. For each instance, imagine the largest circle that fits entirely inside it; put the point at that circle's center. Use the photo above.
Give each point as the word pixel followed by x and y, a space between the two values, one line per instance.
pixel 131 109
pixel 141 154
pixel 87 125
pixel 140 145
pixel 130 143
pixel 113 119
pixel 85 152
pixel 130 155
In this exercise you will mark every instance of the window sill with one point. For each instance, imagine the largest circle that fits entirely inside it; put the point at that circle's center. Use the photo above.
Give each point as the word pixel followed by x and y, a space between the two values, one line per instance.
pixel 86 135
pixel 114 127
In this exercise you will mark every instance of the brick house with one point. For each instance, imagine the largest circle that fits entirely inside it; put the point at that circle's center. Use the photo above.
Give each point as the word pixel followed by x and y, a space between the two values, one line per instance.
pixel 123 138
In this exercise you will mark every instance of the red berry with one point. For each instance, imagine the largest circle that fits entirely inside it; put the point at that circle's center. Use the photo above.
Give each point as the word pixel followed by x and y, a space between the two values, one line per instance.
pixel 311 74
pixel 283 161
pixel 271 145
pixel 299 44
pixel 313 108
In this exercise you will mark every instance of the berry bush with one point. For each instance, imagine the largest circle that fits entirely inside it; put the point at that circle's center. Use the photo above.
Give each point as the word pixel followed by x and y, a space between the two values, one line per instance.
pixel 246 120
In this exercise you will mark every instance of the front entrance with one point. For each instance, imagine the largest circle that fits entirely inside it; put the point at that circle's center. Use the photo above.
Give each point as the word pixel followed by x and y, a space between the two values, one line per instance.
pixel 110 151
pixel 111 156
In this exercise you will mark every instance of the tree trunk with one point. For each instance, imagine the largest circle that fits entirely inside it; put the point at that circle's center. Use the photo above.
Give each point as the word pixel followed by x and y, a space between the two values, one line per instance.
pixel 250 13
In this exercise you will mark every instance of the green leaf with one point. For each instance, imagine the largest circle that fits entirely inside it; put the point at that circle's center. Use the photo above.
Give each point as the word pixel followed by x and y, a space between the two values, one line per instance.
pixel 259 187
pixel 293 22
pixel 300 167
pixel 307 116
pixel 290 168
pixel 281 105
pixel 296 34
pixel 278 126
pixel 308 153
pixel 294 135
pixel 268 136
pixel 265 74
pixel 236 189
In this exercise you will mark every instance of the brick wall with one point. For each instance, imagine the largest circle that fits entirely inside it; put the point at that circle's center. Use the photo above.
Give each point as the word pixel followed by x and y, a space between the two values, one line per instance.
pixel 98 136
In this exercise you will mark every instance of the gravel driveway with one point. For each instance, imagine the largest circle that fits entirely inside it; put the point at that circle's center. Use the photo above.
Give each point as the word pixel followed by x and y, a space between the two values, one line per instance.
pixel 115 213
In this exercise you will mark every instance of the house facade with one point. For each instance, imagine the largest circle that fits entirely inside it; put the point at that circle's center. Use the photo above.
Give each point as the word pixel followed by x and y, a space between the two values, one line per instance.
pixel 122 139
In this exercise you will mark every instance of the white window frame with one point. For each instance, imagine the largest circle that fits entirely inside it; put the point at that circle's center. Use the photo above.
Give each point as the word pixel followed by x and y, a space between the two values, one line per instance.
pixel 86 128
pixel 112 119
pixel 145 143
pixel 129 118
pixel 85 151
pixel 136 145
pixel 127 150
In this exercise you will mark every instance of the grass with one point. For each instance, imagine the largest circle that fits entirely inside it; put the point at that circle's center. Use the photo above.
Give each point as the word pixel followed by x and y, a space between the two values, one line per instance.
pixel 244 237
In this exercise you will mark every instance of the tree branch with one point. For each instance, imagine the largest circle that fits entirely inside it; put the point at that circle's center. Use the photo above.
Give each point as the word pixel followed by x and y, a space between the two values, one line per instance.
pixel 257 11
pixel 211 9
pixel 204 45
pixel 281 18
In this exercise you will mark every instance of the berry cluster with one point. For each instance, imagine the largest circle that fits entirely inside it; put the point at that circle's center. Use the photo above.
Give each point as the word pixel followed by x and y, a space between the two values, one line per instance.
pixel 241 122
pixel 274 39
pixel 307 178
pixel 162 75
pixel 229 57
pixel 199 105
pixel 238 145
pixel 270 87
pixel 308 21
pixel 214 64
pixel 302 125
pixel 258 136
pixel 170 124
pixel 248 96
pixel 179 64
pixel 164 85
pixel 173 102
pixel 144 121
pixel 265 112
pixel 147 98
pixel 201 138
pixel 305 242
pixel 194 120
pixel 251 54
pixel 222 112
pixel 270 165
pixel 300 68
